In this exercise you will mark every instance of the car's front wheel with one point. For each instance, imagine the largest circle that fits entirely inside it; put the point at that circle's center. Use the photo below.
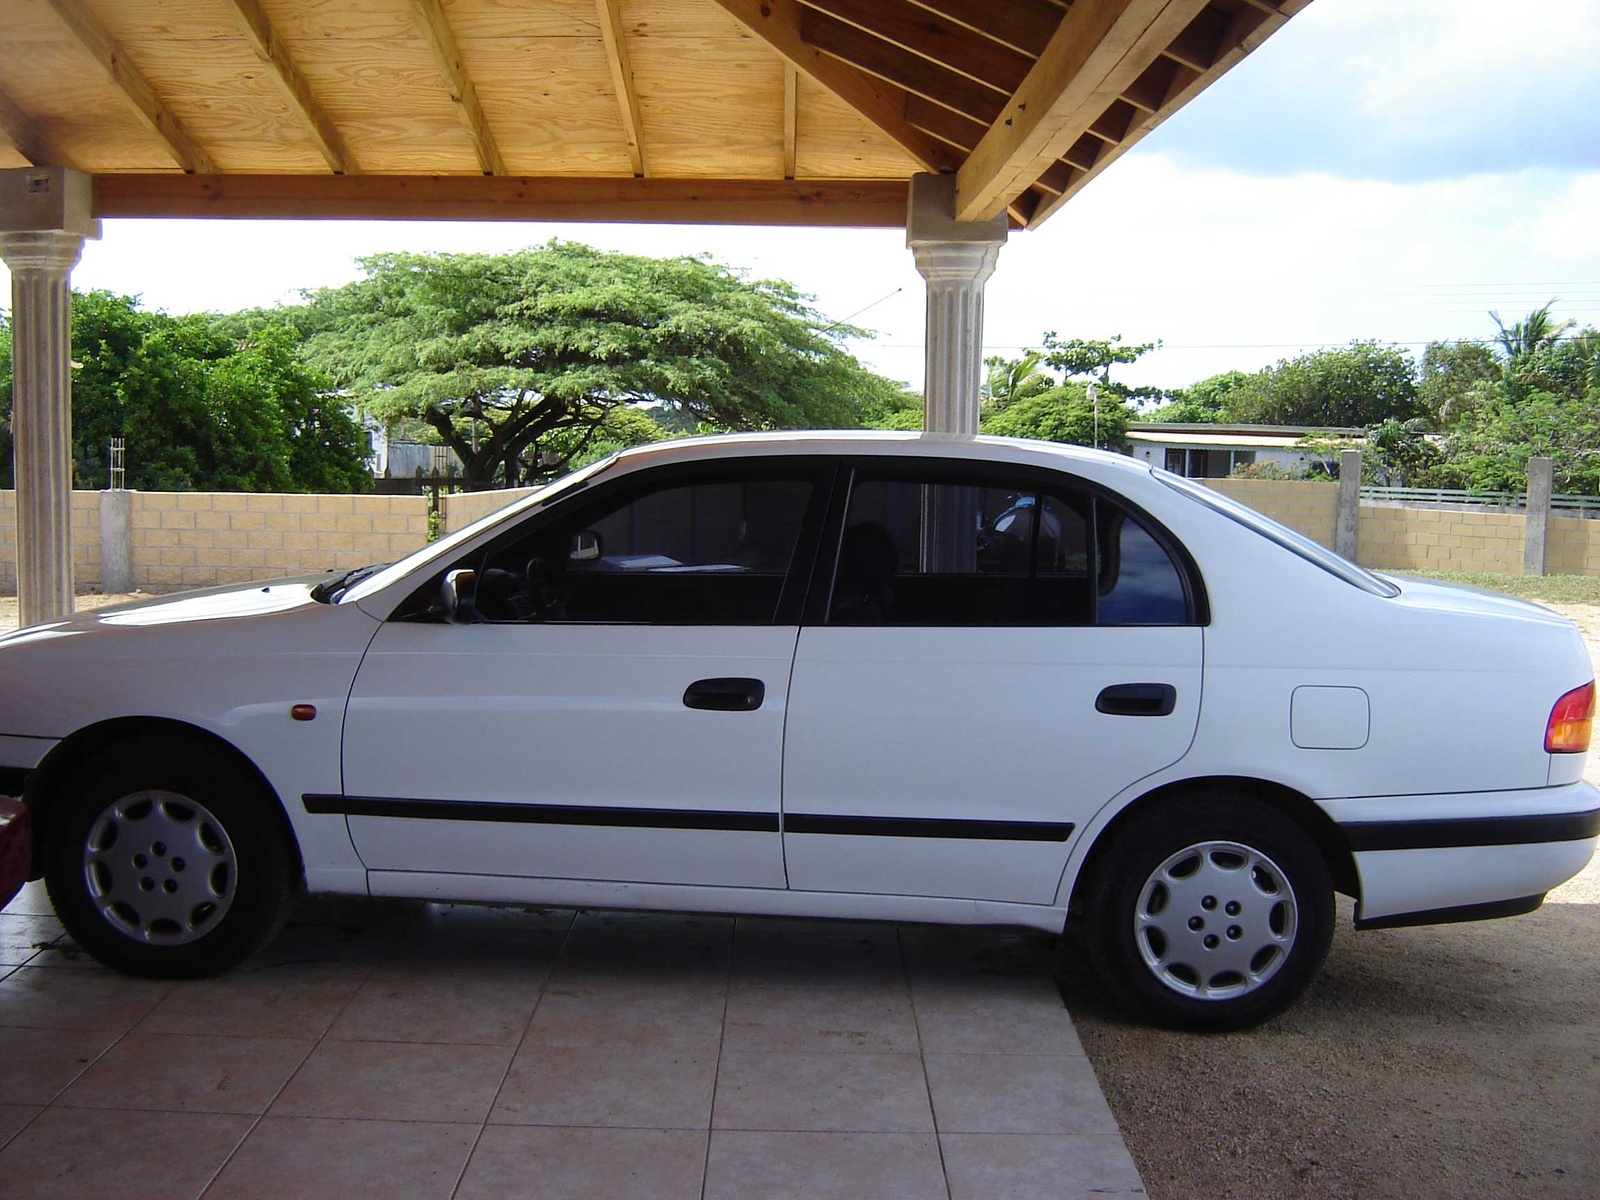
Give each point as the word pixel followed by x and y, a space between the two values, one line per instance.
pixel 166 858
pixel 1211 911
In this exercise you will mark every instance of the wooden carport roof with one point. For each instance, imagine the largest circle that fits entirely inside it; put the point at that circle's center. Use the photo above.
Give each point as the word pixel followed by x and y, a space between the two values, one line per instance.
pixel 738 111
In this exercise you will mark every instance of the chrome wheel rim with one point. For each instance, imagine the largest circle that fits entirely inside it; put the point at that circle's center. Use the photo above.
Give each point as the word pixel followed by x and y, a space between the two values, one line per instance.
pixel 1216 920
pixel 159 868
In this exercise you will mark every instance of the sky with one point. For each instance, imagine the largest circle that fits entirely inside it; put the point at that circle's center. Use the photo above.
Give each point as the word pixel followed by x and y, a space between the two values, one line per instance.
pixel 1384 169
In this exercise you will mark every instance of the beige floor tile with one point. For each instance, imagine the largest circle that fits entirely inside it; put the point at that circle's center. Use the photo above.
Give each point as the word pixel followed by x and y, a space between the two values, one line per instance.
pixel 934 952
pixel 299 1157
pixel 823 1166
pixel 639 959
pixel 585 1164
pixel 883 1093
pixel 37 998
pixel 1017 1093
pixel 71 1152
pixel 396 1081
pixel 35 1064
pixel 818 961
pixel 982 1166
pixel 323 945
pixel 31 901
pixel 668 1013
pixel 285 1001
pixel 993 1016
pixel 13 1118
pixel 634 1087
pixel 193 1074
pixel 871 1017
pixel 64 955
pixel 23 936
pixel 481 1004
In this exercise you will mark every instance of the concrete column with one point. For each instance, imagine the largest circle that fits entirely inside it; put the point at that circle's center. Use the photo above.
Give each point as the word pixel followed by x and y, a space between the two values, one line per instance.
pixel 1347 525
pixel 116 541
pixel 1536 524
pixel 956 258
pixel 44 218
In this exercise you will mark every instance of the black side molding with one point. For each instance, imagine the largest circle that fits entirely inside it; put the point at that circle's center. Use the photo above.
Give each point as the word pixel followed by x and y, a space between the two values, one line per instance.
pixel 1451 916
pixel 928 827
pixel 542 814
pixel 1454 832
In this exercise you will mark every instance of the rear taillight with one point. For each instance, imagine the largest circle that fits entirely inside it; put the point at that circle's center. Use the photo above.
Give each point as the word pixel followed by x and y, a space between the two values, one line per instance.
pixel 1571 722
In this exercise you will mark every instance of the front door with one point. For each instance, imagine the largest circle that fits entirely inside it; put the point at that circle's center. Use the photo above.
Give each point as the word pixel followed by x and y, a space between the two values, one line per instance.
pixel 617 710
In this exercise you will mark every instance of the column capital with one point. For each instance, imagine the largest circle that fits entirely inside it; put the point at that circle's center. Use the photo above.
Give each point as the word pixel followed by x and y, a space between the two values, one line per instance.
pixel 51 251
pixel 47 198
pixel 930 217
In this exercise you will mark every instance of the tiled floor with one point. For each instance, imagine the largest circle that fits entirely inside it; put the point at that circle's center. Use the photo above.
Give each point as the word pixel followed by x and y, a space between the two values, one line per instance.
pixel 406 1050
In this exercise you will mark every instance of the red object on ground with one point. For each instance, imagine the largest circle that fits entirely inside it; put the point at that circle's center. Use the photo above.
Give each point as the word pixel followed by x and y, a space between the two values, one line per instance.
pixel 16 847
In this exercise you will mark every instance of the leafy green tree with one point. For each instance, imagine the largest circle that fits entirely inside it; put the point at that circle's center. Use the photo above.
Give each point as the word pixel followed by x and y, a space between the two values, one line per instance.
pixel 1490 448
pixel 1007 380
pixel 1454 375
pixel 1205 402
pixel 505 356
pixel 1079 358
pixel 1064 414
pixel 1356 385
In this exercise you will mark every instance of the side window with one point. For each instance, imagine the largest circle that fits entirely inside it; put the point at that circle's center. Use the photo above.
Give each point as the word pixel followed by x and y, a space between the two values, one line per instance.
pixel 694 554
pixel 998 553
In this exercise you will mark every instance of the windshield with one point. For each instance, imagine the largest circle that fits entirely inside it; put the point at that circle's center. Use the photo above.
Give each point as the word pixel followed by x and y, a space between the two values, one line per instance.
pixel 1296 543
pixel 446 545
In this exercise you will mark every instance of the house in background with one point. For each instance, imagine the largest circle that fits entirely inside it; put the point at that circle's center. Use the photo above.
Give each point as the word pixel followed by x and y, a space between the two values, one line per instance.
pixel 1216 451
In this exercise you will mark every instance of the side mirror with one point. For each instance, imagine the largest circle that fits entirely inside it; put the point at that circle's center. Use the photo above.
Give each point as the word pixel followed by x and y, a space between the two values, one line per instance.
pixel 459 593
pixel 586 547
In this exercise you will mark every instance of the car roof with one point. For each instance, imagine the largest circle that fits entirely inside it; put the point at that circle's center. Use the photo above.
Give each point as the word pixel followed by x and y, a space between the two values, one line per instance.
pixel 878 442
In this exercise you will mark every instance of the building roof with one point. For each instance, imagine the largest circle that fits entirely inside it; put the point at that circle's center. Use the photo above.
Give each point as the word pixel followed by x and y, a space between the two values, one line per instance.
pixel 743 111
pixel 1264 437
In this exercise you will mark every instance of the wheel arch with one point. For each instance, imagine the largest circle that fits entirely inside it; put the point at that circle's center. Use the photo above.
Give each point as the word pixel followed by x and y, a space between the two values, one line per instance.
pixel 1321 828
pixel 82 745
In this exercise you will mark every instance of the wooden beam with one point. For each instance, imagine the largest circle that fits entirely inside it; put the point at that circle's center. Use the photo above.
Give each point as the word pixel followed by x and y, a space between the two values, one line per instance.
pixel 269 48
pixel 18 129
pixel 1024 25
pixel 1251 25
pixel 927 35
pixel 917 75
pixel 447 54
pixel 777 22
pixel 945 124
pixel 851 203
pixel 135 88
pixel 1100 46
pixel 791 118
pixel 615 38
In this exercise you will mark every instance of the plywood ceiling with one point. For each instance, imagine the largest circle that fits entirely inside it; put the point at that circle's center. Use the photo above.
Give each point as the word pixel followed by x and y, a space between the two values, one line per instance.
pixel 760 111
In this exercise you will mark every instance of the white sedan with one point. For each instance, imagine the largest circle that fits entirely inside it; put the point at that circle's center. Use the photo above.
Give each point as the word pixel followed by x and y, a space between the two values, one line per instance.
pixel 879 676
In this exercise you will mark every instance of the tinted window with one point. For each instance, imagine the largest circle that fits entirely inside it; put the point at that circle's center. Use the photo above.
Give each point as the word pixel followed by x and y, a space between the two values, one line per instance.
pixel 998 554
pixel 713 553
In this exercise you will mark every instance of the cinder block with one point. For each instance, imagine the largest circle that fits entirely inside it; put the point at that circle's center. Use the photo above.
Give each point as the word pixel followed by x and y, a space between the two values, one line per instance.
pixel 315 522
pixel 211 519
pixel 283 522
pixel 335 504
pixel 196 537
pixel 156 500
pixel 232 502
pixel 257 502
pixel 172 519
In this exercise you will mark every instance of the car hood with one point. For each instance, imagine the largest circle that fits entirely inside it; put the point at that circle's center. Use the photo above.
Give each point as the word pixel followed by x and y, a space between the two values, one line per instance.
pixel 210 604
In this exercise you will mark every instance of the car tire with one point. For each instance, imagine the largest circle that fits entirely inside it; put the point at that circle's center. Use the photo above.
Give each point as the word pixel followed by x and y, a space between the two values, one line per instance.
pixel 1210 911
pixel 167 858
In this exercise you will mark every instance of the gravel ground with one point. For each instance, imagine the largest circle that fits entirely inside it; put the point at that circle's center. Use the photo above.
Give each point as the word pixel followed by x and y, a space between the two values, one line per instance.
pixel 1452 1061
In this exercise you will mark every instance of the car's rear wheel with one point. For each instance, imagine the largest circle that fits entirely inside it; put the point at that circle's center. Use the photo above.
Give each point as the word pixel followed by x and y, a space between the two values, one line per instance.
pixel 167 858
pixel 1210 911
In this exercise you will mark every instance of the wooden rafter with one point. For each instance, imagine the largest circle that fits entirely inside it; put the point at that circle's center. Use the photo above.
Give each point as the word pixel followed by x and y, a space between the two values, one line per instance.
pixel 777 22
pixel 1099 48
pixel 19 129
pixel 447 54
pixel 909 27
pixel 612 33
pixel 148 106
pixel 269 48
pixel 905 69
pixel 791 118
pixel 1024 25
pixel 853 202
pixel 1251 24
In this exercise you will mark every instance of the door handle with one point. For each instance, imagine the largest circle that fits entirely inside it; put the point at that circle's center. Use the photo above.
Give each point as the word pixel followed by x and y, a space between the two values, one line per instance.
pixel 725 695
pixel 1137 700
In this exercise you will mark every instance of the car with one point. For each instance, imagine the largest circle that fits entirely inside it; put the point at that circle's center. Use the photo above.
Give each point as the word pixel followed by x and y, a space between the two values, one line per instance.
pixel 853 675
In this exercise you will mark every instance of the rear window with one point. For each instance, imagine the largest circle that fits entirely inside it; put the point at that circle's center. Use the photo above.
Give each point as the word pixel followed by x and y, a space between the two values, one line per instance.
pixel 1295 543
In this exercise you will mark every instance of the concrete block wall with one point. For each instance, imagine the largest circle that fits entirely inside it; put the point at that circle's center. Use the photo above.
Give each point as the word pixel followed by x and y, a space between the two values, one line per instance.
pixel 1573 547
pixel 1309 507
pixel 1431 539
pixel 463 508
pixel 198 539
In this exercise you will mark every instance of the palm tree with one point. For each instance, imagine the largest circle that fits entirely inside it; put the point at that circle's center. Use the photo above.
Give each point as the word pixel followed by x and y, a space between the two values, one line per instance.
pixel 1524 343
pixel 1011 379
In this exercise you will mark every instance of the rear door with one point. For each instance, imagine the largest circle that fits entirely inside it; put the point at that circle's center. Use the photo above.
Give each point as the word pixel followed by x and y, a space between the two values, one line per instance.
pixel 997 656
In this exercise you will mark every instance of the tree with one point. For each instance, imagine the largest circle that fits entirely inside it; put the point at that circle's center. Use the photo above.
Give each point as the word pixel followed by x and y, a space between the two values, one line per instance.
pixel 1007 380
pixel 1064 414
pixel 196 409
pixel 1205 402
pixel 1080 358
pixel 1356 385
pixel 517 361
pixel 1453 375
